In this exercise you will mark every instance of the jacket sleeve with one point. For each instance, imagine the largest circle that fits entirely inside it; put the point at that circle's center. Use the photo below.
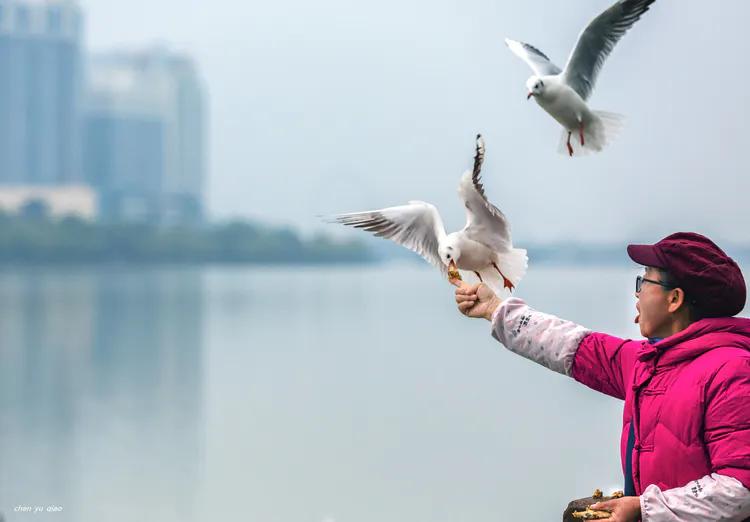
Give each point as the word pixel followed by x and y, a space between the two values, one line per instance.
pixel 542 338
pixel 600 361
pixel 713 497
pixel 727 420
pixel 604 362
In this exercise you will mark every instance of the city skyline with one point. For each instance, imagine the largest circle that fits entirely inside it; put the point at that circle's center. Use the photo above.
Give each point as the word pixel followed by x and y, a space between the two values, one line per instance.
pixel 144 121
pixel 40 93
pixel 117 136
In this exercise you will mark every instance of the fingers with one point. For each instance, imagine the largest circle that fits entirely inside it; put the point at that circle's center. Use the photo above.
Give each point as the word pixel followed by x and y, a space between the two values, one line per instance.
pixel 466 306
pixel 473 288
pixel 624 509
pixel 466 295
pixel 461 298
pixel 459 284
pixel 465 302
pixel 467 289
pixel 605 505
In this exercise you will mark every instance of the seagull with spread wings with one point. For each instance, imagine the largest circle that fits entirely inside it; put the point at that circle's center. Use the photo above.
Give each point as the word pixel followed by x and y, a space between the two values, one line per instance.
pixel 484 246
pixel 563 92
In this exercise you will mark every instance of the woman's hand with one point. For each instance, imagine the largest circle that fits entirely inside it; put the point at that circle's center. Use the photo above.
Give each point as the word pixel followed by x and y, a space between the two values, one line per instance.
pixel 623 509
pixel 475 300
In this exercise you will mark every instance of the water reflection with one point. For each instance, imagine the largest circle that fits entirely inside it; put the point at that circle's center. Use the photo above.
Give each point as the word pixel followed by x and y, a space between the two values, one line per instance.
pixel 101 393
pixel 288 394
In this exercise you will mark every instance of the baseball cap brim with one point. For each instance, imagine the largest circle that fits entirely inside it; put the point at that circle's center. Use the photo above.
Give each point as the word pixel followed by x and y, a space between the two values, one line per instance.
pixel 645 255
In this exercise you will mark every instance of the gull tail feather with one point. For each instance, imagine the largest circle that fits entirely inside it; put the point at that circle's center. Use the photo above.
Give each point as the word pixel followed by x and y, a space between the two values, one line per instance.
pixel 599 132
pixel 513 265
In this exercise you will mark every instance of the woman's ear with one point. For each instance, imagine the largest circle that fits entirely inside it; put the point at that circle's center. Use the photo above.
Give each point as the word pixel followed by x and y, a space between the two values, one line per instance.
pixel 676 299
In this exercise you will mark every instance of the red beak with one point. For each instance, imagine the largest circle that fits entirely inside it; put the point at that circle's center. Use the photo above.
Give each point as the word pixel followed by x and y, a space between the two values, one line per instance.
pixel 530 95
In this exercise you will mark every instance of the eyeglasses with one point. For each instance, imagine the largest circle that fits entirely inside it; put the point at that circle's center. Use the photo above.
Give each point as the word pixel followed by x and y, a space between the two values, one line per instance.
pixel 640 280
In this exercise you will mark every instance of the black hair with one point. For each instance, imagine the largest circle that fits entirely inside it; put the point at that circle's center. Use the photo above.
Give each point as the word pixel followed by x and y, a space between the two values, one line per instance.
pixel 694 309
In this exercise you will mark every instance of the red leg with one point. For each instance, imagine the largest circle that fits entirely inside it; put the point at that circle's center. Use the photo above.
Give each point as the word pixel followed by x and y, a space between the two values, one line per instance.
pixel 580 132
pixel 480 277
pixel 506 282
pixel 570 147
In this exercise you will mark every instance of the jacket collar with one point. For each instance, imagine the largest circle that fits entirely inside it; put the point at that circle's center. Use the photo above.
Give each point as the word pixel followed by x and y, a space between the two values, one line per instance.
pixel 698 338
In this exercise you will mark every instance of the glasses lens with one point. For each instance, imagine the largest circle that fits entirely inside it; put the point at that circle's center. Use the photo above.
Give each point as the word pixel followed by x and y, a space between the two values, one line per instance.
pixel 638 283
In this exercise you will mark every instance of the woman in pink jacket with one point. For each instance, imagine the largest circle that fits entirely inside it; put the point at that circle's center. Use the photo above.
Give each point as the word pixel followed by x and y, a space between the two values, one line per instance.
pixel 685 442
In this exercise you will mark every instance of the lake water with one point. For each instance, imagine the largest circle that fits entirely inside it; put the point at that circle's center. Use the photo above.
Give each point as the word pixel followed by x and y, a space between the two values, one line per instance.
pixel 354 394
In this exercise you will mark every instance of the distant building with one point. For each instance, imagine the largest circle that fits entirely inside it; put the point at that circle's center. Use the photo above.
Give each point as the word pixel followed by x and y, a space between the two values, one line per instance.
pixel 144 137
pixel 40 92
pixel 57 202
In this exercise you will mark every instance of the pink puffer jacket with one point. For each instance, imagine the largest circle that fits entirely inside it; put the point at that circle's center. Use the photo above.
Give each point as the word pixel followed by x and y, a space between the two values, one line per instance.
pixel 687 395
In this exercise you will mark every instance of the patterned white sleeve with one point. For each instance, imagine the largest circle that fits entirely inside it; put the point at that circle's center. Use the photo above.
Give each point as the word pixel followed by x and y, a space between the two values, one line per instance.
pixel 543 338
pixel 713 497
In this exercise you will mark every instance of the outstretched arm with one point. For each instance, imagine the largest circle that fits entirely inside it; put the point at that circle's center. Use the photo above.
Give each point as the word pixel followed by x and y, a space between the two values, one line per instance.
pixel 599 361
pixel 542 338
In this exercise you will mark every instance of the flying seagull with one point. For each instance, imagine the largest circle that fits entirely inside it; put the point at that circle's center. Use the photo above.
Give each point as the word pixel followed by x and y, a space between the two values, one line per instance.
pixel 563 93
pixel 484 245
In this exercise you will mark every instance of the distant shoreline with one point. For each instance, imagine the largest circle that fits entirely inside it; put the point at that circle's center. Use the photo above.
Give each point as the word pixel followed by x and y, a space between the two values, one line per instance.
pixel 561 262
pixel 39 241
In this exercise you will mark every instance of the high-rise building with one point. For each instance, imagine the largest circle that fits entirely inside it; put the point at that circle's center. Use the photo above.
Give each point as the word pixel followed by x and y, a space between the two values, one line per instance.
pixel 145 136
pixel 40 92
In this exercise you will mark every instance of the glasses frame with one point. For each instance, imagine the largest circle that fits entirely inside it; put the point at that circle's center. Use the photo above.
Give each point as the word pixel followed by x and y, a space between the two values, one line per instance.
pixel 639 280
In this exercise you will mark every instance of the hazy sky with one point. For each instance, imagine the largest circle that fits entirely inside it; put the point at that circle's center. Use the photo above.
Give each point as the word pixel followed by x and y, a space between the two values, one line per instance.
pixel 327 106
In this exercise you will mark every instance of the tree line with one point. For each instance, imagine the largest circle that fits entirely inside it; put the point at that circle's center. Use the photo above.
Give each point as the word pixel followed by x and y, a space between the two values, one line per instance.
pixel 41 240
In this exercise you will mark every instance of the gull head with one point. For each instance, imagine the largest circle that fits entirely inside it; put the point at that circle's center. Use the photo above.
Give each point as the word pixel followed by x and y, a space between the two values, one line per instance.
pixel 535 85
pixel 449 252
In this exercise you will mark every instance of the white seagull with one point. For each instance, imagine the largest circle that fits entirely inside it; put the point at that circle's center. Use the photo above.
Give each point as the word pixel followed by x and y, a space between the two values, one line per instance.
pixel 563 93
pixel 484 245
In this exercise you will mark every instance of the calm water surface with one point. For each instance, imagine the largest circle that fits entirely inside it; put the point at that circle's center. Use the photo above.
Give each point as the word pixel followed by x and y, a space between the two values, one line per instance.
pixel 352 394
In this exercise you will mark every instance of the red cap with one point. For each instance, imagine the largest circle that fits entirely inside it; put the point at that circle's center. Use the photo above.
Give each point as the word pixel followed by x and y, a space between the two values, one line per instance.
pixel 707 275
